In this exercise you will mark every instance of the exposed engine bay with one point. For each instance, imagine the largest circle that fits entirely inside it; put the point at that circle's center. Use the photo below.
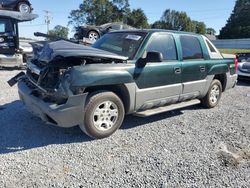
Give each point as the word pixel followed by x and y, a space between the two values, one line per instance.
pixel 48 72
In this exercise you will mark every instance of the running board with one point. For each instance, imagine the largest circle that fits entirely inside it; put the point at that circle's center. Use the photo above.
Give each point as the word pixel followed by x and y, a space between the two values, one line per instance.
pixel 168 108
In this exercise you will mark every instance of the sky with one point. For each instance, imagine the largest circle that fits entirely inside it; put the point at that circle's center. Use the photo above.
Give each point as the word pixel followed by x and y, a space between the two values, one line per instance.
pixel 214 13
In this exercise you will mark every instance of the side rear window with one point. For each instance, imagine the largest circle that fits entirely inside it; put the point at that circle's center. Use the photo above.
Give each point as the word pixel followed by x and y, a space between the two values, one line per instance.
pixel 211 48
pixel 191 47
pixel 116 27
pixel 165 44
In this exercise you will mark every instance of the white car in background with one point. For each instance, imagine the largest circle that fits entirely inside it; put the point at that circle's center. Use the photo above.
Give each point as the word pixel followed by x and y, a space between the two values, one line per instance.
pixel 244 65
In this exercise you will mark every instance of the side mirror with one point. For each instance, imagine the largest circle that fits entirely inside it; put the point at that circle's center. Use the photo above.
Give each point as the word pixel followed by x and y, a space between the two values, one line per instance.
pixel 152 57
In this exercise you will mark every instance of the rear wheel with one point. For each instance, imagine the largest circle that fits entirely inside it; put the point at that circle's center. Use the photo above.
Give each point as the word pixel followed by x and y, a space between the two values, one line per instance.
pixel 24 7
pixel 104 114
pixel 213 96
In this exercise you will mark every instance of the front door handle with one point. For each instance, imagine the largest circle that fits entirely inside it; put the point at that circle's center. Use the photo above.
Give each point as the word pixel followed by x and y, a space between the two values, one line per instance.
pixel 202 68
pixel 177 70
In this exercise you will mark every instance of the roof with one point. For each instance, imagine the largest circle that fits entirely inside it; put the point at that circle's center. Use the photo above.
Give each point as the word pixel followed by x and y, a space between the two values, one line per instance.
pixel 17 16
pixel 156 30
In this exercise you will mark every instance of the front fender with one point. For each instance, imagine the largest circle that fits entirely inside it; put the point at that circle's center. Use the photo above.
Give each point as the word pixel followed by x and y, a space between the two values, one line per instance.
pixel 98 78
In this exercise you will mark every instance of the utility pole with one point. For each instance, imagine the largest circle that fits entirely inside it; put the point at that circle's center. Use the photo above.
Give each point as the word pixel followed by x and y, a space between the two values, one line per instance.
pixel 48 19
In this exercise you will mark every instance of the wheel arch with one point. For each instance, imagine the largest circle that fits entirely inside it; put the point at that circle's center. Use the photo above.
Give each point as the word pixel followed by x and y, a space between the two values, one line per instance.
pixel 120 90
pixel 95 30
pixel 23 1
pixel 223 80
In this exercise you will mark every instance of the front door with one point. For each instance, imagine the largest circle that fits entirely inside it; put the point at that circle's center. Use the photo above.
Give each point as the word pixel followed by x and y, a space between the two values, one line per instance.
pixel 161 80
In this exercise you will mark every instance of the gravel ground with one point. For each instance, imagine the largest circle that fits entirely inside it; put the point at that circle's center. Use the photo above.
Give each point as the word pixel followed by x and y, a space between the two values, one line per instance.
pixel 175 149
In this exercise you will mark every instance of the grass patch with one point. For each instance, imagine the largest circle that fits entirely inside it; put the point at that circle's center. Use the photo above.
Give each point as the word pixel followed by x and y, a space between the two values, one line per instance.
pixel 234 51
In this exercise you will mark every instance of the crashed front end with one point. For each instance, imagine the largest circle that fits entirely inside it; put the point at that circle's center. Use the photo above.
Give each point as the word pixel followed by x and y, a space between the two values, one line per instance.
pixel 47 88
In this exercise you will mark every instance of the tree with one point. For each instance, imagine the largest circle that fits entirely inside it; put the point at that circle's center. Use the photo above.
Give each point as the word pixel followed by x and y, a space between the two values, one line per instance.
pixel 199 27
pixel 59 32
pixel 177 20
pixel 122 9
pixel 238 25
pixel 97 12
pixel 137 18
pixel 210 31
pixel 160 25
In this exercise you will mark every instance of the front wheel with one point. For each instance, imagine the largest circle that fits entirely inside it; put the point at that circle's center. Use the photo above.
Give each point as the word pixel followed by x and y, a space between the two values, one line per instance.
pixel 104 114
pixel 213 96
pixel 93 36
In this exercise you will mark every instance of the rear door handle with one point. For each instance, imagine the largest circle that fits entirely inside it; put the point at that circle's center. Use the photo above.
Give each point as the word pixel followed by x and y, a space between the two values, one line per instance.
pixel 202 68
pixel 177 70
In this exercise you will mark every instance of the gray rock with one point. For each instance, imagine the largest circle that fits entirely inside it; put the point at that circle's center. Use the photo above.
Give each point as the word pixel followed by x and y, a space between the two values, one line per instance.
pixel 168 150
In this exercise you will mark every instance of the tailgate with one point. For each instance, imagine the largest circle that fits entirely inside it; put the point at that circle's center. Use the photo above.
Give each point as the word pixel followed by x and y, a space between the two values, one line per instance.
pixel 228 56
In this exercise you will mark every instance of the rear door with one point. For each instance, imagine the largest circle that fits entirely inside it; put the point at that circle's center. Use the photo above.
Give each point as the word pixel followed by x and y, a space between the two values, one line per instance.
pixel 194 67
pixel 161 80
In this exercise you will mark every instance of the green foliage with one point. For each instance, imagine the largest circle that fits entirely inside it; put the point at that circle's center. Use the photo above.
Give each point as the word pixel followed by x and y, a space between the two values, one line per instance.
pixel 238 25
pixel 175 20
pixel 59 32
pixel 94 12
pixel 210 31
pixel 199 27
pixel 98 12
pixel 161 25
pixel 137 18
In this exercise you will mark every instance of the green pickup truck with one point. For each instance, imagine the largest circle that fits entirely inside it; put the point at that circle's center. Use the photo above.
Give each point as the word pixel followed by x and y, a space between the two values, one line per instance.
pixel 140 72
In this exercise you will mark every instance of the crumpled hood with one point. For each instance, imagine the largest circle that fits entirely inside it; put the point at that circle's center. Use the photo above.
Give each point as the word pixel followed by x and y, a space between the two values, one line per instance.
pixel 47 51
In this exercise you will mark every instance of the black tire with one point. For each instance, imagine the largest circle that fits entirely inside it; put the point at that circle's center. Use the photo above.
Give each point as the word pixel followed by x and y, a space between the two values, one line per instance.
pixel 23 4
pixel 98 126
pixel 93 35
pixel 209 100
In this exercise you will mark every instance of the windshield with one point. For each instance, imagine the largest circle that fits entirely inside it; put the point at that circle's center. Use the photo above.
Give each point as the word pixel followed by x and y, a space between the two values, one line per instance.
pixel 5 26
pixel 124 44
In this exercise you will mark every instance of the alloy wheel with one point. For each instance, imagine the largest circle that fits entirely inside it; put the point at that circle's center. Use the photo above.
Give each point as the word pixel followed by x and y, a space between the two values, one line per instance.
pixel 215 94
pixel 105 116
pixel 93 36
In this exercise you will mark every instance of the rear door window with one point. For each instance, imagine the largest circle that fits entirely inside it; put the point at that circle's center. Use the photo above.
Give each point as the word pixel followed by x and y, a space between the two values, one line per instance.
pixel 165 44
pixel 191 47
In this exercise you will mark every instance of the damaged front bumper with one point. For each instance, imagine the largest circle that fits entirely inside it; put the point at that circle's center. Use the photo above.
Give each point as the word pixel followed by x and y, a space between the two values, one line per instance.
pixel 65 115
